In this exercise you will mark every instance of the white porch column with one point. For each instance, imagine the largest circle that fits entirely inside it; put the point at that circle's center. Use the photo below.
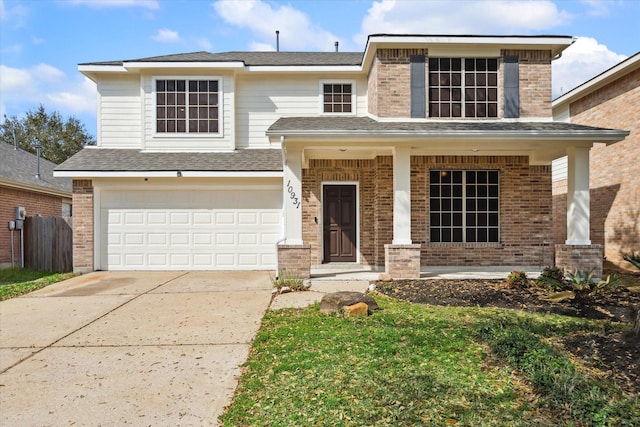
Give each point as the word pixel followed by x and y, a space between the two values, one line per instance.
pixel 402 196
pixel 292 197
pixel 578 196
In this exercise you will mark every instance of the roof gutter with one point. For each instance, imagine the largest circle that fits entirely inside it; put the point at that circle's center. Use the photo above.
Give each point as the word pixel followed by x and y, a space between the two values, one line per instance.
pixel 36 189
pixel 598 136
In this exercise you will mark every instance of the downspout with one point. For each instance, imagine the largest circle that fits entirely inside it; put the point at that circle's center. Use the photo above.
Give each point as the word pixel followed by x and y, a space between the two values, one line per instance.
pixel 284 216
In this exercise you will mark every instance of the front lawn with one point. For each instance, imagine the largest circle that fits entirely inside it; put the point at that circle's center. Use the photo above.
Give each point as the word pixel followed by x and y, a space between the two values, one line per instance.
pixel 18 281
pixel 411 364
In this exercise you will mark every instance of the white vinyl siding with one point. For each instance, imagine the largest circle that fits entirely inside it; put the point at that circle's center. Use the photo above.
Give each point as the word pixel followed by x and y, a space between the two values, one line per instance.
pixel 261 100
pixel 224 141
pixel 119 113
pixel 559 169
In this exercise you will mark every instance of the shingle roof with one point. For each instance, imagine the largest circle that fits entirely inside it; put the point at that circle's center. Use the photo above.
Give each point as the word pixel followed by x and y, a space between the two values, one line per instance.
pixel 112 160
pixel 351 124
pixel 255 58
pixel 18 168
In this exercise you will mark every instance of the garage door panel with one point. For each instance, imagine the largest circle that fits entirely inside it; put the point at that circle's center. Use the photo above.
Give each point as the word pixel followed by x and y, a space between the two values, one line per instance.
pixel 247 239
pixel 202 239
pixel 134 239
pixel 157 218
pixel 179 218
pixel 157 260
pixel 203 230
pixel 225 218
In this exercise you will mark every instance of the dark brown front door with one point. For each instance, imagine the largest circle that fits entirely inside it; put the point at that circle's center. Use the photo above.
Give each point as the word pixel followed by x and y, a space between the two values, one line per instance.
pixel 339 211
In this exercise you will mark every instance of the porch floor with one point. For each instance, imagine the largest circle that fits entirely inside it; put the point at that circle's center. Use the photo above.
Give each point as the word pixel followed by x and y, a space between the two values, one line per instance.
pixel 352 271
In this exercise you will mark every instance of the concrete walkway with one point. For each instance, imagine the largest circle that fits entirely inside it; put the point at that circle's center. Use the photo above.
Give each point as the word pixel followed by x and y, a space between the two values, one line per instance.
pixel 128 348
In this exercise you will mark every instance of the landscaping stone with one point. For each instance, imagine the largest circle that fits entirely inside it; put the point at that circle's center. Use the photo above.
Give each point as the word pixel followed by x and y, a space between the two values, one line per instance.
pixel 358 309
pixel 335 301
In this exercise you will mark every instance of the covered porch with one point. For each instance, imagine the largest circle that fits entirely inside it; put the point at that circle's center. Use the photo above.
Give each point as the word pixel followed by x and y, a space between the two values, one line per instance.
pixel 390 166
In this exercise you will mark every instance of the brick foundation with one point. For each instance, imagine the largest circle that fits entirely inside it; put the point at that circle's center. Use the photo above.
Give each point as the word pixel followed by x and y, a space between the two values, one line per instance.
pixel 580 257
pixel 402 261
pixel 294 260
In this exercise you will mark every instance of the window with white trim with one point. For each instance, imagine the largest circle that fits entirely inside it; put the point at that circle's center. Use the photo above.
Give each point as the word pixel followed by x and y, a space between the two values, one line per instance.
pixel 463 87
pixel 337 97
pixel 187 106
pixel 464 206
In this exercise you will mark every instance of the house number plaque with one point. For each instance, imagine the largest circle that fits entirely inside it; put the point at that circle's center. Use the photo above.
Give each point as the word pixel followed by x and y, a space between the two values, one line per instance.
pixel 292 195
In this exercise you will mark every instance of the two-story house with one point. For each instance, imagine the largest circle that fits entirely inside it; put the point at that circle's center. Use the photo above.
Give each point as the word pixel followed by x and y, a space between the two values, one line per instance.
pixel 420 151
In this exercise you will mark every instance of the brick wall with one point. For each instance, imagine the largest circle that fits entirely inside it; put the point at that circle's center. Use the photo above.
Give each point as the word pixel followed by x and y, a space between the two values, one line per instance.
pixel 83 226
pixel 389 88
pixel 35 204
pixel 614 170
pixel 390 82
pixel 525 213
pixel 572 258
pixel 294 261
pixel 535 81
pixel 525 208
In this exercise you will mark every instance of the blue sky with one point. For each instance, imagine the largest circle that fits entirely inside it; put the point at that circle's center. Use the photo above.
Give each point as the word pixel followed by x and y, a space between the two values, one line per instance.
pixel 42 42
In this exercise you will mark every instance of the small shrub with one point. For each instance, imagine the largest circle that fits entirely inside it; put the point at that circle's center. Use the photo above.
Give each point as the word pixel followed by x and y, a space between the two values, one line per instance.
pixel 582 284
pixel 517 279
pixel 285 278
pixel 633 258
pixel 551 278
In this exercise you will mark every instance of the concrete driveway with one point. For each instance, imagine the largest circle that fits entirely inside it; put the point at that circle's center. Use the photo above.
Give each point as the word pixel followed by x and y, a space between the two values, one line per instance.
pixel 140 348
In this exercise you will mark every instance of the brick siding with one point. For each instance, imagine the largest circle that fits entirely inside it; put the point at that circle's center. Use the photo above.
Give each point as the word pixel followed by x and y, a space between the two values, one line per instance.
pixel 525 209
pixel 294 261
pixel 83 226
pixel 572 258
pixel 534 67
pixel 35 204
pixel 389 82
pixel 614 170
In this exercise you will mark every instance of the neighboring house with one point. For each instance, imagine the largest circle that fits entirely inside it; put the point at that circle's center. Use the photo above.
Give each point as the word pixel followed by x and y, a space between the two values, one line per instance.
pixel 420 151
pixel 20 187
pixel 609 100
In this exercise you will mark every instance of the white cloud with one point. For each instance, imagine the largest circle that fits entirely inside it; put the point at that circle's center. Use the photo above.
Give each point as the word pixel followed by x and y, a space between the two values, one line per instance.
pixel 297 32
pixel 98 4
pixel 22 89
pixel 597 7
pixel 15 16
pixel 165 35
pixel 80 97
pixel 583 60
pixel 467 17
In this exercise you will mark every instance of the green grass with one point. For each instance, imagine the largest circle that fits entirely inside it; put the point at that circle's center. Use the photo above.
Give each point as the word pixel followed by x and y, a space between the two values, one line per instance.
pixel 18 281
pixel 410 365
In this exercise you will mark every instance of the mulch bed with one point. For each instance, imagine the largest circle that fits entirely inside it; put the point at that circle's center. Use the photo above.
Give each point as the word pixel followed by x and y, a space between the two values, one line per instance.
pixel 615 355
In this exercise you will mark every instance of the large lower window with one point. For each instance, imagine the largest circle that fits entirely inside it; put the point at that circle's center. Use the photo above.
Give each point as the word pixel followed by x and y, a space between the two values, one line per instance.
pixel 464 206
pixel 463 87
pixel 187 106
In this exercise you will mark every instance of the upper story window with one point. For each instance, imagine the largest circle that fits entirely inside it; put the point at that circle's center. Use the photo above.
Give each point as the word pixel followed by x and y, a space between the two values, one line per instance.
pixel 187 106
pixel 463 87
pixel 337 97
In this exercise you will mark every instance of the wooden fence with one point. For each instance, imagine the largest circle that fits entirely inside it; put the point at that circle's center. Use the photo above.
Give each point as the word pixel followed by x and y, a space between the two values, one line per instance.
pixel 48 244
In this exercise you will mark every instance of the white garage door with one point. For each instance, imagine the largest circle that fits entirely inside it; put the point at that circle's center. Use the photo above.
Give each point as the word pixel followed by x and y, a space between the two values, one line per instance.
pixel 190 230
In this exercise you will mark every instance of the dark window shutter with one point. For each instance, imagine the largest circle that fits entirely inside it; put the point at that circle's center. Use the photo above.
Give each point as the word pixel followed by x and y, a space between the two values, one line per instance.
pixel 418 90
pixel 511 87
